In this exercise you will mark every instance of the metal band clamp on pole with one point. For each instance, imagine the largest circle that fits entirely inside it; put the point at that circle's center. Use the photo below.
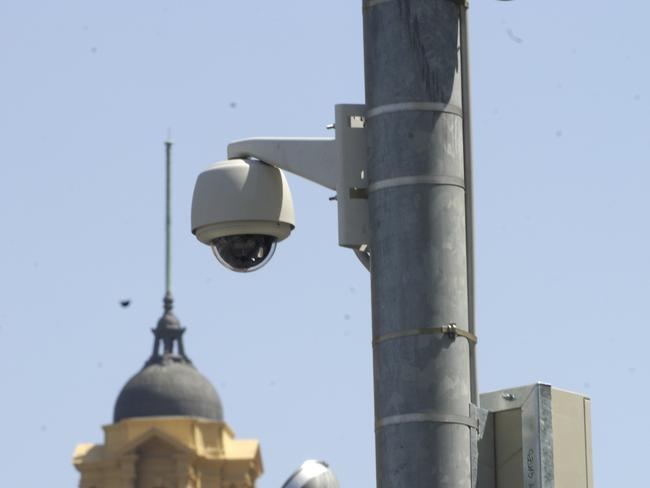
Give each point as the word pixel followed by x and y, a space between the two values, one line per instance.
pixel 449 330
pixel 443 180
pixel 417 180
pixel 429 417
pixel 447 108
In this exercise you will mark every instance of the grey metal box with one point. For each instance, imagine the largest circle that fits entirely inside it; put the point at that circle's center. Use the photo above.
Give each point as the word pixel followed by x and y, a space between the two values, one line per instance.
pixel 536 436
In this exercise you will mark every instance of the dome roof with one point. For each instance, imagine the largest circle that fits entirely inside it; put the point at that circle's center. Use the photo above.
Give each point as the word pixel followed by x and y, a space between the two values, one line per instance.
pixel 168 388
pixel 168 384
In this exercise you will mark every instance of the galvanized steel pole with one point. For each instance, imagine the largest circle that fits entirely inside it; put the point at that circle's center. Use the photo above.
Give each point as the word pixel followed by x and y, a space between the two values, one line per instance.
pixel 418 238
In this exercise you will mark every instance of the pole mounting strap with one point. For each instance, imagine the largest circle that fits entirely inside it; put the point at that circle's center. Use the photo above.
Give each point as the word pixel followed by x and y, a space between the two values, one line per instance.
pixel 429 417
pixel 450 330
pixel 441 180
pixel 417 180
pixel 446 108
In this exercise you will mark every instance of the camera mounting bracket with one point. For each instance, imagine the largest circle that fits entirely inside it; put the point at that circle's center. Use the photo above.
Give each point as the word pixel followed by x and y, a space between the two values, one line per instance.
pixel 338 163
pixel 311 158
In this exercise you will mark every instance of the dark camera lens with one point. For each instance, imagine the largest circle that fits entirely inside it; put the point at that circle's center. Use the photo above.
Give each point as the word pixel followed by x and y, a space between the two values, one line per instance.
pixel 247 252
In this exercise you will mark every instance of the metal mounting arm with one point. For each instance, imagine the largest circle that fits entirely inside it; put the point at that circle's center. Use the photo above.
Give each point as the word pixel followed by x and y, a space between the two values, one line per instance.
pixel 312 158
pixel 339 164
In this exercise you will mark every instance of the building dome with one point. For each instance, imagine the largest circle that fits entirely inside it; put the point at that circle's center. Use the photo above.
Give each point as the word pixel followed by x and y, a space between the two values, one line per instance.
pixel 168 384
pixel 168 388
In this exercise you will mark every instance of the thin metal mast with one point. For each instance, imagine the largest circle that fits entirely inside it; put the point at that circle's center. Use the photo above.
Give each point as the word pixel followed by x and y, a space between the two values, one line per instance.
pixel 469 193
pixel 168 225
pixel 169 330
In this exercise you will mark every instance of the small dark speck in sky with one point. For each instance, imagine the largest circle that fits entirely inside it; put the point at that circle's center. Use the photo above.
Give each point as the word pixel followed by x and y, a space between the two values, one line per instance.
pixel 43 428
pixel 631 370
pixel 559 133
pixel 100 365
pixel 233 104
pixel 637 97
pixel 125 303
pixel 93 50
pixel 346 316
pixel 513 37
pixel 586 384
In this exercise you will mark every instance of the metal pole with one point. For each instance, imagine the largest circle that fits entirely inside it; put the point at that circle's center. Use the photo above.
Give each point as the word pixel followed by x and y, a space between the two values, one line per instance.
pixel 469 192
pixel 419 274
pixel 168 220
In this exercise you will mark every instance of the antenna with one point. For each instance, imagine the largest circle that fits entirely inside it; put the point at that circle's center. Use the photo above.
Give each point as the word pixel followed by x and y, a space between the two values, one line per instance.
pixel 168 300
pixel 169 330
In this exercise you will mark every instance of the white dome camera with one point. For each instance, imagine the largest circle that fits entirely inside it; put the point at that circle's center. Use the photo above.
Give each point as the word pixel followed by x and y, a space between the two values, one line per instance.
pixel 312 474
pixel 242 208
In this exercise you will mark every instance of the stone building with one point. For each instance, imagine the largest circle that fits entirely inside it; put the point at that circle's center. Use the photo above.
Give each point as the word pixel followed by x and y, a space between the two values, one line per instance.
pixel 168 429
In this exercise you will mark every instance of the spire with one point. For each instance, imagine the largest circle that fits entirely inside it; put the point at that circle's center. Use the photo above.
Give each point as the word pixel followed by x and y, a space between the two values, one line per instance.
pixel 168 331
pixel 168 223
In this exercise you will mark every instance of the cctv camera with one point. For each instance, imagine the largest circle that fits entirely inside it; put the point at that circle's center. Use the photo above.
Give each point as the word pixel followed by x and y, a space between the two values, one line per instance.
pixel 312 474
pixel 242 208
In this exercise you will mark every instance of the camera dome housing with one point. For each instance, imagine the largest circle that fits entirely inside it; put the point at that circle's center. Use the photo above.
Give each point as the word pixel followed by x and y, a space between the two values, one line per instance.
pixel 241 208
pixel 244 253
pixel 312 474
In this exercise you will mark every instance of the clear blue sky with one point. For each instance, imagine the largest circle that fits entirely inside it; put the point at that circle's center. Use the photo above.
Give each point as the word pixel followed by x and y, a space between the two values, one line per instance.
pixel 87 92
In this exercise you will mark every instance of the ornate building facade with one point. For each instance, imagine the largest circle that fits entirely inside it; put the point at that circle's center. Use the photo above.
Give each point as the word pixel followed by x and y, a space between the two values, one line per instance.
pixel 168 429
